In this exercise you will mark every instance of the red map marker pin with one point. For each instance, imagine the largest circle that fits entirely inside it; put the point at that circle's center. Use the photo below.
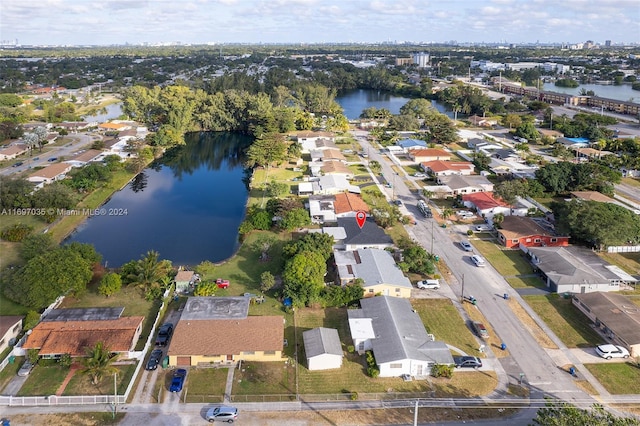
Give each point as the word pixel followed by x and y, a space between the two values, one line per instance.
pixel 361 218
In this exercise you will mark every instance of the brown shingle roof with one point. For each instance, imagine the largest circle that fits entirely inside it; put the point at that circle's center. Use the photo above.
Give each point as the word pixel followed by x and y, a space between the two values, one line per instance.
pixel 592 196
pixel 430 152
pixel 441 166
pixel 348 202
pixel 73 337
pixel 87 155
pixel 184 276
pixel 335 167
pixel 7 322
pixel 514 227
pixel 217 337
pixel 52 171
pixel 332 154
pixel 13 149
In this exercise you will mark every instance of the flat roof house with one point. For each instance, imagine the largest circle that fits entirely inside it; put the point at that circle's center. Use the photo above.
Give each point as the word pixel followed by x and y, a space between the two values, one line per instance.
pixel 390 328
pixel 369 236
pixel 615 315
pixel 214 330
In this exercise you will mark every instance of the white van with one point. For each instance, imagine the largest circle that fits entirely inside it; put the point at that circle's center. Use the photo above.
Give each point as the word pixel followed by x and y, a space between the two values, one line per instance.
pixel 477 260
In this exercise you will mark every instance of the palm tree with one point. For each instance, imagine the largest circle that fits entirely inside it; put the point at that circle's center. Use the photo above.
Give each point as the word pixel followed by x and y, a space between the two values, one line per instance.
pixel 446 213
pixel 98 362
pixel 150 271
pixel 498 218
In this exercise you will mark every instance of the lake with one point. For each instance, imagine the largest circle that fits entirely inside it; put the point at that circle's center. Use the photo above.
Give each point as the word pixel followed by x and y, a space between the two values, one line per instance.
pixel 355 101
pixel 187 206
pixel 623 92
pixel 113 111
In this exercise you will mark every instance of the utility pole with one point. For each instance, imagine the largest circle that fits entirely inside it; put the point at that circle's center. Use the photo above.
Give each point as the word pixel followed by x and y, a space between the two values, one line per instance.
pixel 432 236
pixel 415 415
pixel 462 288
pixel 115 394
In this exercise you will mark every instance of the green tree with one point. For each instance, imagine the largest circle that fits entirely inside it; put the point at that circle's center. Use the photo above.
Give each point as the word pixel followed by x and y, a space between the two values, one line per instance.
pixel 563 414
pixel 295 218
pixel 316 242
pixel 276 189
pixel 99 362
pixel 267 150
pixel 512 120
pixel 415 258
pixel 110 284
pixel 375 167
pixel 419 108
pixel 267 281
pixel 30 320
pixel 498 218
pixel 150 272
pixel 303 277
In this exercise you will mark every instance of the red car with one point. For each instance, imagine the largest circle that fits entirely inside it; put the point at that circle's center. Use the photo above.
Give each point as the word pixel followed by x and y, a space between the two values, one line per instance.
pixel 222 283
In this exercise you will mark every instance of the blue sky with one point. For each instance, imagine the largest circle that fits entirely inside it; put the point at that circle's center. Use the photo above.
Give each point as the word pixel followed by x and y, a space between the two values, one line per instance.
pixel 312 21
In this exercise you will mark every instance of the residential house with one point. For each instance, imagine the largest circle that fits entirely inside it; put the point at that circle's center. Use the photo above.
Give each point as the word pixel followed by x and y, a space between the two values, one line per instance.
pixel 409 144
pixel 614 315
pixel 113 126
pixel 51 173
pixel 487 206
pixel 329 154
pixel 333 184
pixel 72 331
pixel 369 236
pixel 592 196
pixel 305 189
pixel 482 121
pixel 12 151
pixel 429 154
pixel 466 184
pixel 85 157
pixel 336 168
pixel 186 281
pixel 376 268
pixel 575 269
pixel 516 231
pixel 392 329
pixel 321 208
pixel 308 140
pixel 506 154
pixel 214 330
pixel 448 168
pixel 322 348
pixel 10 328
pixel 347 204
pixel 75 126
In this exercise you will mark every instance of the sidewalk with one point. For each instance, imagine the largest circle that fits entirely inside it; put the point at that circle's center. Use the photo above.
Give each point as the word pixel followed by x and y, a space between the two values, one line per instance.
pixel 72 370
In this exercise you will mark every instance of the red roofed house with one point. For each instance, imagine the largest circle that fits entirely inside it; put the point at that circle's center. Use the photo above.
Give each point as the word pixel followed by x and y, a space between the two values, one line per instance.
pixel 56 338
pixel 516 231
pixel 488 206
pixel 347 204
pixel 429 154
pixel 448 168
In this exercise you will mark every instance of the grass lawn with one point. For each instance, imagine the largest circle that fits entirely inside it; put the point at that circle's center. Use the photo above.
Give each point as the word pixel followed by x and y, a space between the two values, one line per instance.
pixel 569 324
pixel 631 181
pixel 617 378
pixel 206 384
pixel 9 307
pixel 10 371
pixel 43 380
pixel 493 341
pixel 442 320
pixel 465 384
pixel 526 282
pixel 629 262
pixel 10 252
pixel 507 262
pixel 80 384
pixel 265 378
pixel 541 337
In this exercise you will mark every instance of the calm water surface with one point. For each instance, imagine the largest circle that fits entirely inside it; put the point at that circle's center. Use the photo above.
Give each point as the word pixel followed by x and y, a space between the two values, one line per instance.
pixel 354 102
pixel 187 206
pixel 623 92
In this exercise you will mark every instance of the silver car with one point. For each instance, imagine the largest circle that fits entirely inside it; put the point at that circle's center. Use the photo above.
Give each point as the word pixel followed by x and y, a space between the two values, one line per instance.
pixel 25 369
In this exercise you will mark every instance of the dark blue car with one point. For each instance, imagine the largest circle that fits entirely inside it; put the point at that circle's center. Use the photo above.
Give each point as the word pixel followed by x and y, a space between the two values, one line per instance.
pixel 178 380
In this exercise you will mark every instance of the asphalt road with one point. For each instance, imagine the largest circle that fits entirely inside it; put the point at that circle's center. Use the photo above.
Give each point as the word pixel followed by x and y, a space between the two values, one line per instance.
pixel 487 286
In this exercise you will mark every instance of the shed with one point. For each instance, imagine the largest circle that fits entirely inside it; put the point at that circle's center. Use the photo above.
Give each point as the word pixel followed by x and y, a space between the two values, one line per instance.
pixel 322 348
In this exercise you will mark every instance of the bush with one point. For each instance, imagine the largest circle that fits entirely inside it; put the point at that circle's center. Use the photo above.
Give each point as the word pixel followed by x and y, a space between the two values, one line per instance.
pixel 469 232
pixel 16 233
pixel 31 320
pixel 354 396
pixel 442 370
pixel 351 349
pixel 65 361
pixel 372 369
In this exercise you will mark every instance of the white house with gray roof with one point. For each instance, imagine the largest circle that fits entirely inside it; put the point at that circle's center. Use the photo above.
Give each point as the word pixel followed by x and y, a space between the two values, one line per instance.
pixel 395 333
pixel 322 348
pixel 376 268
pixel 575 269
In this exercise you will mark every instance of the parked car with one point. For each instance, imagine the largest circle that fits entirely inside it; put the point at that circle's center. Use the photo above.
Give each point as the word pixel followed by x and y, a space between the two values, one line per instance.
pixel 612 351
pixel 398 203
pixel 477 260
pixel 466 245
pixel 428 284
pixel 154 359
pixel 482 228
pixel 178 380
pixel 35 158
pixel 223 414
pixel 463 213
pixel 25 369
pixel 220 283
pixel 18 164
pixel 52 159
pixel 419 175
pixel 467 362
pixel 164 334
pixel 480 329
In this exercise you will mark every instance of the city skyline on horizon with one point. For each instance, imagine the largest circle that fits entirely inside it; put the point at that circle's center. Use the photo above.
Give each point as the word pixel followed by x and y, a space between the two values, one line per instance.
pixel 201 22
